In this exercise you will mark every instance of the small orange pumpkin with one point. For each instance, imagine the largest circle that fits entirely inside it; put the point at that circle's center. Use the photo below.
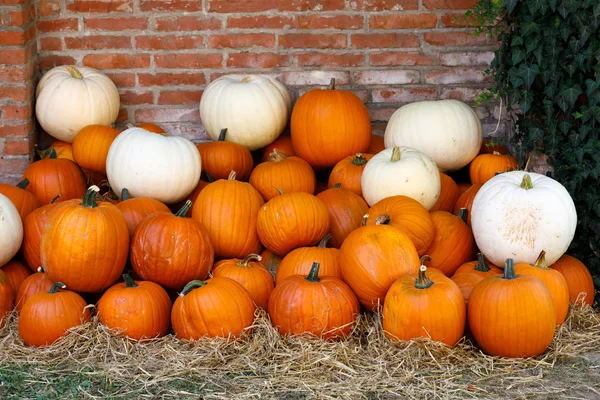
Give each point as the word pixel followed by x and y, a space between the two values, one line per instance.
pixel 33 228
pixel 448 194
pixel 221 157
pixel 348 172
pixel 90 146
pixel 151 127
pixel 465 200
pixel 485 166
pixel 62 150
pixel 6 298
pixel 578 277
pixel 16 272
pixel 24 201
pixel 283 145
pixel 136 209
pixel 299 261
pixel 34 283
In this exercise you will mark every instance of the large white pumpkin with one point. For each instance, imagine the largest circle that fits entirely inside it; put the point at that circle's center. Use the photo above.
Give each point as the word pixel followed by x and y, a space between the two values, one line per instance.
pixel 11 230
pixel 166 168
pixel 255 109
pixel 518 214
pixel 448 131
pixel 401 171
pixel 69 98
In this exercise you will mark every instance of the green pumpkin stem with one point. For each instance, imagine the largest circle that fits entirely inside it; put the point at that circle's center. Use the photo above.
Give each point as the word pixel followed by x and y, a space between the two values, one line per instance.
pixel 129 282
pixel 54 198
pixel 359 160
pixel 184 210
pixel 75 73
pixel 396 154
pixel 23 184
pixel 481 264
pixel 463 214
pixel 337 185
pixel 526 183
pixel 323 243
pixel 383 219
pixel 55 286
pixel 331 84
pixel 541 261
pixel 313 275
pixel 89 198
pixel 423 281
pixel 222 135
pixel 191 286
pixel 53 153
pixel 509 269
pixel 245 263
pixel 125 194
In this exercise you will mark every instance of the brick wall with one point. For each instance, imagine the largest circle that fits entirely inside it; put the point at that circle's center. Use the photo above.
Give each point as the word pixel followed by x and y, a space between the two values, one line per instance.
pixel 162 53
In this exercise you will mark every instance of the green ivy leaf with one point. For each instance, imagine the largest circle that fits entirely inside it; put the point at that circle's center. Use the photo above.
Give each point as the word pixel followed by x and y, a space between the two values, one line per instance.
pixel 570 94
pixel 552 4
pixel 518 55
pixel 516 41
pixel 526 100
pixel 528 73
pixel 565 126
pixel 510 5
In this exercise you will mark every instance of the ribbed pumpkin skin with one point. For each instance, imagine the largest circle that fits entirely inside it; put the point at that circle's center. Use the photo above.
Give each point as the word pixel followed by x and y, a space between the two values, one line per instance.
pixel 33 228
pixel 376 144
pixel 328 125
pixel 448 194
pixel 46 317
pixel 220 158
pixel 6 298
pixel 249 273
pixel 471 267
pixel 346 210
pixel 299 262
pixel 291 174
pixel 409 216
pixel 512 317
pixel 437 312
pixel 141 312
pixel 53 176
pixel 578 277
pixel 62 149
pixel 16 273
pixel 372 257
pixel 453 244
pixel 85 248
pixel 221 308
pixel 90 146
pixel 465 200
pixel 24 201
pixel 171 250
pixel 284 146
pixel 485 166
pixel 228 210
pixel 327 308
pixel 34 283
pixel 292 220
pixel 136 209
pixel 348 172
pixel 466 282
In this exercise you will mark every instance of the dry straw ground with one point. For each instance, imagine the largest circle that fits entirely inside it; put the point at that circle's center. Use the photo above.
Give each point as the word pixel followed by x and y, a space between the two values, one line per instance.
pixel 94 363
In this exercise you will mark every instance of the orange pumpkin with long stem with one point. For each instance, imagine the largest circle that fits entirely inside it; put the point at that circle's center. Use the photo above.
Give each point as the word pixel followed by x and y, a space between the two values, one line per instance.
pixel 221 157
pixel 578 277
pixel 136 209
pixel 448 194
pixel 24 201
pixel 90 146
pixel 33 228
pixel 37 282
pixel 348 172
pixel 299 261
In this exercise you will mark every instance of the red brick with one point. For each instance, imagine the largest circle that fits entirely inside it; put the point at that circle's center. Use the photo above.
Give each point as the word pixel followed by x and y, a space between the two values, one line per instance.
pixel 83 6
pixel 179 97
pixel 95 42
pixel 390 77
pixel 241 40
pixel 456 39
pixel 13 166
pixel 384 40
pixel 17 93
pixel 116 24
pixel 15 38
pixel 189 60
pixel 461 94
pixel 170 5
pixel 50 44
pixel 116 61
pixel 454 20
pixel 58 25
pixel 311 78
pixel 315 21
pixel 158 115
pixel 245 6
pixel 172 79
pixel 384 5
pixel 47 8
pixel 16 112
pixel 456 75
pixel 257 60
pixel 400 58
pixel 132 97
pixel 330 60
pixel 397 95
pixel 187 23
pixel 403 21
pixel 16 73
pixel 47 62
pixel 381 114
pixel 315 41
pixel 19 18
pixel 122 79
pixel 21 130
pixel 169 42
pixel 18 148
pixel 15 56
pixel 449 4
pixel 259 22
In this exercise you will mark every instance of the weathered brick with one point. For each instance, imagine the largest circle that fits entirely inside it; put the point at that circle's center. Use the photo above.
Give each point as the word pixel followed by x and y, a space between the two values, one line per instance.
pixel 381 114
pixel 384 5
pixel 399 58
pixel 91 6
pixel 50 43
pixel 391 77
pixel 179 97
pixel 247 6
pixel 399 95
pixel 46 62
pixel 18 130
pixel 449 4
pixel 19 147
pixel 95 42
pixel 316 21
pixel 162 114
pixel 47 8
pixel 188 60
pixel 187 23
pixel 129 97
pixel 465 94
pixel 456 75
pixel 403 21
pixel 19 17
pixel 456 20
pixel 13 165
pixel 172 79
pixel 257 60
pixel 170 5
pixel 445 38
pixel 259 22
pixel 15 38
pixel 309 78
pixel 16 73
pixel 21 93
pixel 330 60
pixel 312 41
pixel 116 24
pixel 466 58
pixel 170 42
pixel 122 79
pixel 383 40
pixel 116 61
pixel 241 40
pixel 10 112
pixel 58 25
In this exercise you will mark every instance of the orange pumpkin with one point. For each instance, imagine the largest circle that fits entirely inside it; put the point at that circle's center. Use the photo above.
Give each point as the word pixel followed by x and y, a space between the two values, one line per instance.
pixel 90 146
pixel 345 209
pixel 220 158
pixel 151 127
pixel 448 194
pixel 465 200
pixel 6 299
pixel 376 144
pixel 34 283
pixel 485 166
pixel 466 283
pixel 578 277
pixel 16 272
pixel 462 187
pixel 328 125
pixel 283 145
pixel 299 261
pixel 348 172
pixel 291 174
pixel 62 150
pixel 193 196
pixel 136 209
pixel 24 201
pixel 33 228
pixel 488 146
pixel 270 261
pixel 478 267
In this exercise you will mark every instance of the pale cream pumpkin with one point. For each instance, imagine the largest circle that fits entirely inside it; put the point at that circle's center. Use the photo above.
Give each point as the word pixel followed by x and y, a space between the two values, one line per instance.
pixel 518 214
pixel 166 168
pixel 255 109
pixel 69 98
pixel 401 171
pixel 448 131
pixel 11 230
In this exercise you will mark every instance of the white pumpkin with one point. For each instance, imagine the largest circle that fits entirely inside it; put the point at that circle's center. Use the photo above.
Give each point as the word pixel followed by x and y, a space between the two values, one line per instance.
pixel 448 131
pixel 69 98
pixel 401 171
pixel 166 168
pixel 518 214
pixel 11 230
pixel 255 109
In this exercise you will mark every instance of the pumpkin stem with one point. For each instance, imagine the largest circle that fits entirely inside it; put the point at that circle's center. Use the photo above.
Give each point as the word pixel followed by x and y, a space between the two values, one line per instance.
pixel 276 156
pixel 526 183
pixel 359 160
pixel 209 177
pixel 331 84
pixel 53 153
pixel 280 190
pixel 365 219
pixel 40 269
pixel 496 153
pixel 54 198
pixel 396 154
pixel 423 281
pixel 481 264
pixel 191 286
pixel 383 219
pixel 509 269
pixel 231 176
pixel 23 184
pixel 222 135
pixel 124 194
pixel 55 286
pixel 89 198
pixel 248 259
pixel 463 213
pixel 313 275
pixel 541 261
pixel 129 125
pixel 323 243
pixel 184 210
pixel 75 73
pixel 129 282
pixel 337 185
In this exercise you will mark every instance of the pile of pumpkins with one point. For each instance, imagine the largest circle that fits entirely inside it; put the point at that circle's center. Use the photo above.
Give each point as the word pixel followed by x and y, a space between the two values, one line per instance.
pixel 313 226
